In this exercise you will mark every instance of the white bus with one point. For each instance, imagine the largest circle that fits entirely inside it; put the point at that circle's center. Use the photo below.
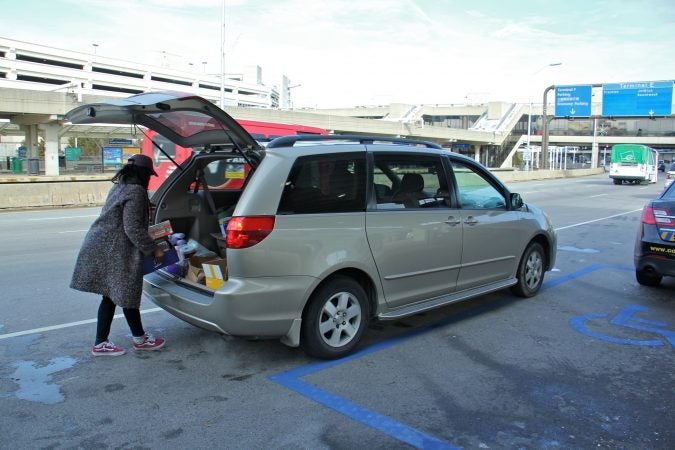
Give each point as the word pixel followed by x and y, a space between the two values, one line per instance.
pixel 633 163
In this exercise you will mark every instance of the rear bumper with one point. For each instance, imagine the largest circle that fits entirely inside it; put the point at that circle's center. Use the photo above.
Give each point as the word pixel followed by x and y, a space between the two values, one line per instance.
pixel 628 177
pixel 257 307
pixel 659 257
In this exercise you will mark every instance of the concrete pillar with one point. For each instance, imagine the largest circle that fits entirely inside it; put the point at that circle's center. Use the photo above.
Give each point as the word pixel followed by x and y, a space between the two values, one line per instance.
pixel 51 148
pixel 476 152
pixel 31 133
pixel 595 155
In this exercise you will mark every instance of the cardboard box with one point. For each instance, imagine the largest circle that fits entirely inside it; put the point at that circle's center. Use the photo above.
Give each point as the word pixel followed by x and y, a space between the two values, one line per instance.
pixel 215 272
pixel 195 272
pixel 160 230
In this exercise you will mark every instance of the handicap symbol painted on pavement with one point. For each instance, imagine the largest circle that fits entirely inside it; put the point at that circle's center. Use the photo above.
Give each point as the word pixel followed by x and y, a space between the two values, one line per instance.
pixel 626 319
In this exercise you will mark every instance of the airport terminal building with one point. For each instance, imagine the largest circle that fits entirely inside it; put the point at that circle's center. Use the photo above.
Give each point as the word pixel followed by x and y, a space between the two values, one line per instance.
pixel 39 84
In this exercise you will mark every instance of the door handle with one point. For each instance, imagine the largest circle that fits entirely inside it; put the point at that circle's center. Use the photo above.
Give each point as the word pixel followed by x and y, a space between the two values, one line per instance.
pixel 452 221
pixel 470 220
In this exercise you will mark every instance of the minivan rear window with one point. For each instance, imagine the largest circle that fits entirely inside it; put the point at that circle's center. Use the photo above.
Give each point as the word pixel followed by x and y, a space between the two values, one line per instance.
pixel 187 123
pixel 325 184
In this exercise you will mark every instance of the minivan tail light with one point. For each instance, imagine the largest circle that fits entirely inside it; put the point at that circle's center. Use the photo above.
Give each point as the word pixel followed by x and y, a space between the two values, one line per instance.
pixel 648 216
pixel 247 231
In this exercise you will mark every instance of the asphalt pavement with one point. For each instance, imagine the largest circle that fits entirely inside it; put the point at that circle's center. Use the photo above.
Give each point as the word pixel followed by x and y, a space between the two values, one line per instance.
pixel 587 363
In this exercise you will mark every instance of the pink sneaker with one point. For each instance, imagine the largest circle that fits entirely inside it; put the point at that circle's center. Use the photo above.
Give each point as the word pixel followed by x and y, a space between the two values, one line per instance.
pixel 148 342
pixel 107 348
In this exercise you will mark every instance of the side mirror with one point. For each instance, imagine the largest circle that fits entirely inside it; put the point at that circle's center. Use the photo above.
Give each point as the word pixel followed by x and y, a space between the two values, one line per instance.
pixel 516 201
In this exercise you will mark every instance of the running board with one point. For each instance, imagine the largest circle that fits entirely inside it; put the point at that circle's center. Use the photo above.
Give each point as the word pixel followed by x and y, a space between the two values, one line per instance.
pixel 437 302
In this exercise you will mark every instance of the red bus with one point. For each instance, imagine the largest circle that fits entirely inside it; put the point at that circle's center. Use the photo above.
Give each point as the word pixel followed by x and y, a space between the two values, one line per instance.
pixel 261 131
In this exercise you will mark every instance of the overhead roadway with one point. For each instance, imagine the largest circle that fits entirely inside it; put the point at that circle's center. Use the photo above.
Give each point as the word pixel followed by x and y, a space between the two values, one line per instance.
pixel 27 107
pixel 27 110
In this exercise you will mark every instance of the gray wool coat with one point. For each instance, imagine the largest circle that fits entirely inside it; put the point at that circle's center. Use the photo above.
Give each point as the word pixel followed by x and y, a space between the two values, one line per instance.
pixel 110 261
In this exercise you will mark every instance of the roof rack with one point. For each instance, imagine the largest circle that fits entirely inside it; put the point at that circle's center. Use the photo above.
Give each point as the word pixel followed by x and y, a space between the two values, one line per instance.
pixel 290 141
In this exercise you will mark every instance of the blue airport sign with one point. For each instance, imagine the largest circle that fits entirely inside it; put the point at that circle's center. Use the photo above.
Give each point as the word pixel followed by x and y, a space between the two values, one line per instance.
pixel 641 98
pixel 573 101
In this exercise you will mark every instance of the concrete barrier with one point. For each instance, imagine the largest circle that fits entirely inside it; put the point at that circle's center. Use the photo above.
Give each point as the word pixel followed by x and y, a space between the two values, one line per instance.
pixel 28 192
pixel 512 176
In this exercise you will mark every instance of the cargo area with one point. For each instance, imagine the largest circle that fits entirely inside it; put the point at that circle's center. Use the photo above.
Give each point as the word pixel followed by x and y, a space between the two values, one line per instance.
pixel 198 203
pixel 188 258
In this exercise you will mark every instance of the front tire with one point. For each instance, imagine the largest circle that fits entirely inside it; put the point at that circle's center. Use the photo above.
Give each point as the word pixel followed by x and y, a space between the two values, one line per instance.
pixel 530 271
pixel 335 319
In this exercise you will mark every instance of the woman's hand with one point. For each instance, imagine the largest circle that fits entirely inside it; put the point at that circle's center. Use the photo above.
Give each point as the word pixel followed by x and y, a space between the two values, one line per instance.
pixel 159 255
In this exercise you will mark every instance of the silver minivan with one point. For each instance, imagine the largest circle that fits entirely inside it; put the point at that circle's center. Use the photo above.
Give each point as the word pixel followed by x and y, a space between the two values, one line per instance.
pixel 323 234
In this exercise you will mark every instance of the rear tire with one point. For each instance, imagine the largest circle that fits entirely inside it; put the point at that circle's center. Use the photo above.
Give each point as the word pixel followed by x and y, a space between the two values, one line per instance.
pixel 335 319
pixel 530 271
pixel 648 278
pixel 616 181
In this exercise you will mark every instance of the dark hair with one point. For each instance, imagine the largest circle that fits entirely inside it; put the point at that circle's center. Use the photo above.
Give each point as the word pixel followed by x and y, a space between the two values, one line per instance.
pixel 133 174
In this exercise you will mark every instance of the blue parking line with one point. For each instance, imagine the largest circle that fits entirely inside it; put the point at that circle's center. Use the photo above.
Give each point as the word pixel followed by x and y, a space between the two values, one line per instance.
pixel 366 416
pixel 292 379
pixel 581 272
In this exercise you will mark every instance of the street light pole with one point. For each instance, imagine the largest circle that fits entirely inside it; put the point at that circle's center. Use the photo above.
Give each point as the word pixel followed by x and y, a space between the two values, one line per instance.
pixel 222 59
pixel 529 115
pixel 290 99
pixel 544 135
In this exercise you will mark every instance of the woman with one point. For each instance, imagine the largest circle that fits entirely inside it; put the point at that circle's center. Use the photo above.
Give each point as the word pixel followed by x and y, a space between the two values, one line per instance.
pixel 110 261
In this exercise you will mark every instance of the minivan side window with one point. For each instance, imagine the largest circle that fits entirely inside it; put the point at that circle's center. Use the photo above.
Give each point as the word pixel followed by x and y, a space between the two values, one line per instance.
pixel 475 192
pixel 325 184
pixel 409 182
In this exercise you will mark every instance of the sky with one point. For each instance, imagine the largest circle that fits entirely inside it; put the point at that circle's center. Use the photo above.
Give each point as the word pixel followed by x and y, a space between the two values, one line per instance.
pixel 372 52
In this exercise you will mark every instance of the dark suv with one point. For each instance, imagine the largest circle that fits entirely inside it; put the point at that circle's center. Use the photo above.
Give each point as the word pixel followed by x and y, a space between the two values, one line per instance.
pixel 654 254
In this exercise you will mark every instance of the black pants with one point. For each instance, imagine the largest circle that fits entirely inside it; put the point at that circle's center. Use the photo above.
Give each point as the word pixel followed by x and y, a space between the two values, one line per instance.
pixel 106 313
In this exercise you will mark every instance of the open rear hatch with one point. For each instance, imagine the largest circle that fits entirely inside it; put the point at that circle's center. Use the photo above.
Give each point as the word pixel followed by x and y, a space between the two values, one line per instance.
pixel 186 119
pixel 190 198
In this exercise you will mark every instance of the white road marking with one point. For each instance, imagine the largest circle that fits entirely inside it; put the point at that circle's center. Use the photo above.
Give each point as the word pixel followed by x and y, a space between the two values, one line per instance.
pixel 72 231
pixel 598 195
pixel 65 325
pixel 597 220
